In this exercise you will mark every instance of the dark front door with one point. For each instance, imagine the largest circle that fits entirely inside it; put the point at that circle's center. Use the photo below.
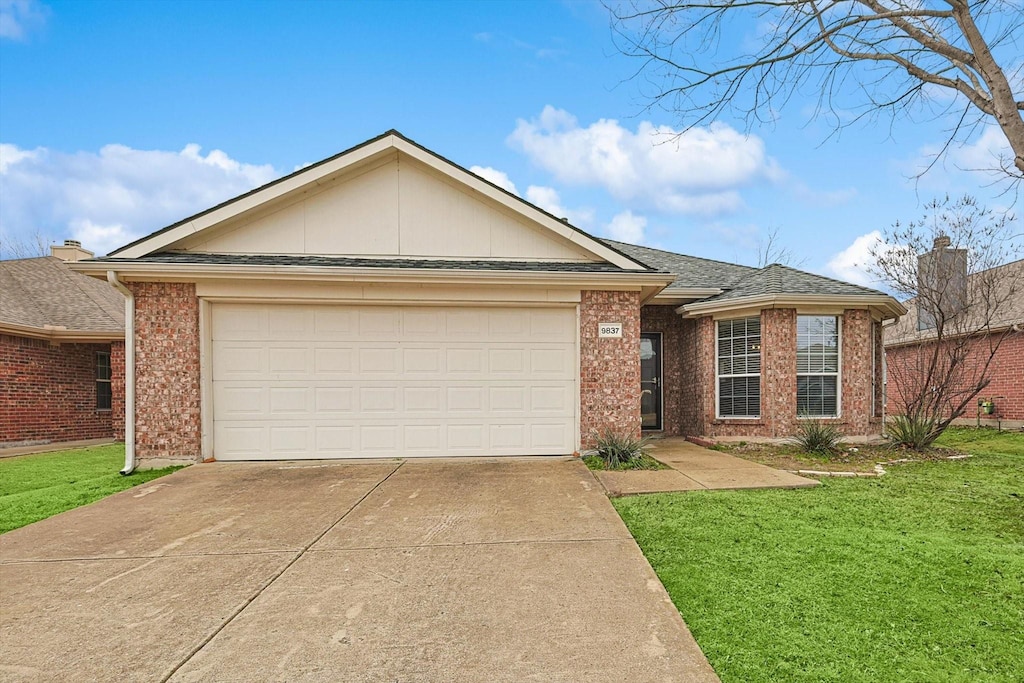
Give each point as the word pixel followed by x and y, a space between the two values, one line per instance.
pixel 650 381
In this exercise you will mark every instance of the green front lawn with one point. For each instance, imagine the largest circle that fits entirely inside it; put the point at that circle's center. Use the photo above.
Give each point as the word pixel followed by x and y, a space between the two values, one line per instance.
pixel 914 576
pixel 34 487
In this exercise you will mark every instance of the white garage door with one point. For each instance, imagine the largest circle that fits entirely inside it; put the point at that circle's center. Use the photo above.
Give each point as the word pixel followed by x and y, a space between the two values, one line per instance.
pixel 309 381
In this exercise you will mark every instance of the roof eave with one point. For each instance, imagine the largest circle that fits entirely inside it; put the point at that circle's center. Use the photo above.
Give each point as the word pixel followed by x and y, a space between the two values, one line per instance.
pixel 679 295
pixel 887 305
pixel 60 335
pixel 186 272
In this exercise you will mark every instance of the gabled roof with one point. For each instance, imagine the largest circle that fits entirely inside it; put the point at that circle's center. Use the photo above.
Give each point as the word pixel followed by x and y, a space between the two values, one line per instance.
pixel 44 298
pixel 323 171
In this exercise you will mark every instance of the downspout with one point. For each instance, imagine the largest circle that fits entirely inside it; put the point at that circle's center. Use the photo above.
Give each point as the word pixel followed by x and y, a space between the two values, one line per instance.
pixel 129 372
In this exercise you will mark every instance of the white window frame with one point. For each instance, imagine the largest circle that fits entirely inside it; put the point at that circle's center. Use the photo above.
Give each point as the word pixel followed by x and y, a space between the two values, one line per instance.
pixel 838 374
pixel 718 375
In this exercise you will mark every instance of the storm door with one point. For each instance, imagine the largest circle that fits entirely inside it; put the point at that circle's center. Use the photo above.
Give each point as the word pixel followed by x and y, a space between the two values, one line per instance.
pixel 650 380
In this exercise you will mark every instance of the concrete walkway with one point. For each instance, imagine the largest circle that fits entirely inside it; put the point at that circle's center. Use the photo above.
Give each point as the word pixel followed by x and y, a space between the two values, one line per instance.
pixel 484 570
pixel 696 468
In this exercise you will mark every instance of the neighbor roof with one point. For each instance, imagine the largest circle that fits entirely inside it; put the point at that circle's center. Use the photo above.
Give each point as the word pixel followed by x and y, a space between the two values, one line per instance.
pixel 43 297
pixel 1005 307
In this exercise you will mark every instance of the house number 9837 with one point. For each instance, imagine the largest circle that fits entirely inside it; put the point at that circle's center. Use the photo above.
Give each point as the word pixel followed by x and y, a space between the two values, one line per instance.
pixel 609 329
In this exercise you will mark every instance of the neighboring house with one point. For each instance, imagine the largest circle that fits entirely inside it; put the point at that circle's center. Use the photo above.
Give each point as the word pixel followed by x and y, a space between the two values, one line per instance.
pixel 387 302
pixel 58 332
pixel 993 303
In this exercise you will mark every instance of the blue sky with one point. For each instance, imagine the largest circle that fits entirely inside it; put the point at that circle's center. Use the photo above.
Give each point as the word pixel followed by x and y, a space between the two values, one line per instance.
pixel 117 118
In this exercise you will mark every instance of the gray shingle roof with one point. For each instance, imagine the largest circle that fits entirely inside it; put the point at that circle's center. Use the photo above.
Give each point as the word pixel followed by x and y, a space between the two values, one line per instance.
pixel 691 271
pixel 37 292
pixel 779 279
pixel 348 262
pixel 738 281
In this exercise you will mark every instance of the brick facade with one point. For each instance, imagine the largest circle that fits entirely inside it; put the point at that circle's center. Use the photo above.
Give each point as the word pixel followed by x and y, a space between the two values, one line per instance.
pixel 690 379
pixel 48 392
pixel 680 409
pixel 609 367
pixel 167 422
pixel 117 400
pixel 1006 371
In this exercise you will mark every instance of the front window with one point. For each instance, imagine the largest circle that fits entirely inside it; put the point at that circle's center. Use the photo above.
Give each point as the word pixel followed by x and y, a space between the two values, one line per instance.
pixel 739 367
pixel 817 366
pixel 103 393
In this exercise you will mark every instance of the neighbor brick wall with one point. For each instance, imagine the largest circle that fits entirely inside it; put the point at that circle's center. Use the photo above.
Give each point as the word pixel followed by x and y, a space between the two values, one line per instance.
pixel 1006 371
pixel 48 392
pixel 609 368
pixel 167 419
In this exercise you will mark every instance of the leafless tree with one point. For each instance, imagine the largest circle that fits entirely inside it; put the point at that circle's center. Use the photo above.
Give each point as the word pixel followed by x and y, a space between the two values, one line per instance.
pixel 24 247
pixel 956 268
pixel 860 58
pixel 771 250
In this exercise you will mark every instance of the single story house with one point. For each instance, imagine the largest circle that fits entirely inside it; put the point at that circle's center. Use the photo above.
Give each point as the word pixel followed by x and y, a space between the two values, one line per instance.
pixel 387 302
pixel 60 335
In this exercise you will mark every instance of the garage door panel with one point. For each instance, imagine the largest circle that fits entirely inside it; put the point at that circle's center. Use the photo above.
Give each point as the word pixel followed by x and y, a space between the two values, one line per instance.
pixel 286 401
pixel 336 381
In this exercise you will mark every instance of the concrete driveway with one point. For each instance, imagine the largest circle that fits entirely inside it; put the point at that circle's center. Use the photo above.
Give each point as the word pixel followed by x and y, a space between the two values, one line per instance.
pixel 483 570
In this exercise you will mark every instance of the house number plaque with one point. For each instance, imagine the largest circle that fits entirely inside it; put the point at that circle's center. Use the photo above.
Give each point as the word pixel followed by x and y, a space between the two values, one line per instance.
pixel 609 329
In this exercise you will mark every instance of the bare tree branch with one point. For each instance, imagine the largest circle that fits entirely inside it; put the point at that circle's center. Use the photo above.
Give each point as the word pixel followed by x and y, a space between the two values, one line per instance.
pixel 957 267
pixel 869 55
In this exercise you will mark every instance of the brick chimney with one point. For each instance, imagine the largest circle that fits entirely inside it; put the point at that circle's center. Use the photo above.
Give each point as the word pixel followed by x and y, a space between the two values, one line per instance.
pixel 71 250
pixel 941 283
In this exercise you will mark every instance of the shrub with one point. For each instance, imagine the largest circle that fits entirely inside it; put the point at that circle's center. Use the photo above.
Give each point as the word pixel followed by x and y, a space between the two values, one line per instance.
pixel 912 431
pixel 618 451
pixel 818 437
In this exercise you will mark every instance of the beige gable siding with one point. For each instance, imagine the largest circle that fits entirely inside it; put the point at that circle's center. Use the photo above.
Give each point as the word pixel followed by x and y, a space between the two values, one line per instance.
pixel 400 208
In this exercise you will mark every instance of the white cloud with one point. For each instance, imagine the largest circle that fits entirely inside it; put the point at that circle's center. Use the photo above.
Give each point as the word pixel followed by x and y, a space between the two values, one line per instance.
pixel 627 227
pixel 18 18
pixel 548 199
pixel 499 178
pixel 10 154
pixel 110 197
pixel 853 264
pixel 697 171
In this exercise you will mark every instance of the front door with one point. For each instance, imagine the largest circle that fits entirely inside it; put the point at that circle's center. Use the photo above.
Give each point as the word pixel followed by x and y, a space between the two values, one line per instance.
pixel 650 381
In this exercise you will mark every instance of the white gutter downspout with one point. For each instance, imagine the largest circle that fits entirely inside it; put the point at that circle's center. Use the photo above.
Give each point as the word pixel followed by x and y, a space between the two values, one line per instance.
pixel 129 372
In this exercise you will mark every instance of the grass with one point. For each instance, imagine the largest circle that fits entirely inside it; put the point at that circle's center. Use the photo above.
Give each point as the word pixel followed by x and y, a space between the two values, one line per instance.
pixel 34 487
pixel 643 462
pixel 849 457
pixel 914 576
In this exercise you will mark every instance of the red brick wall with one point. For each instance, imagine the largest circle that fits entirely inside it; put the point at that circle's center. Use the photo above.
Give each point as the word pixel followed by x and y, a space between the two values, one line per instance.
pixel 778 378
pixel 1006 372
pixel 856 372
pixel 167 422
pixel 117 382
pixel 609 367
pixel 48 393
pixel 679 357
